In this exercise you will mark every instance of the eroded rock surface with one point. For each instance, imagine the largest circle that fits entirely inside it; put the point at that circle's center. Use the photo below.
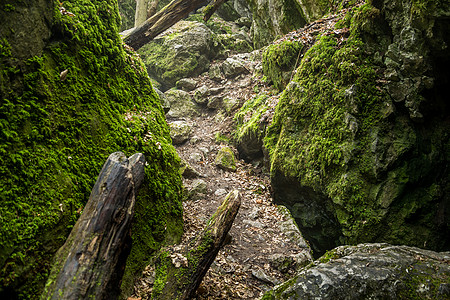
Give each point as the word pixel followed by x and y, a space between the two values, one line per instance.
pixel 371 271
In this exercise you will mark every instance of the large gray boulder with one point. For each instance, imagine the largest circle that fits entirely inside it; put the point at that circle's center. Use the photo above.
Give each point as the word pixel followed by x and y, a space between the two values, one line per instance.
pixel 371 271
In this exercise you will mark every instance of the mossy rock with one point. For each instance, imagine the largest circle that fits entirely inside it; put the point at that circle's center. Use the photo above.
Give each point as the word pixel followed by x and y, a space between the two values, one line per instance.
pixel 57 131
pixel 225 159
pixel 185 52
pixel 370 271
pixel 356 161
pixel 273 18
pixel 280 61
pixel 251 127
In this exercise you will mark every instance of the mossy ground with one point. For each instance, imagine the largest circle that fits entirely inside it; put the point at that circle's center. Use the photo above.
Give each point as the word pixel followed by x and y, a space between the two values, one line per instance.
pixel 56 135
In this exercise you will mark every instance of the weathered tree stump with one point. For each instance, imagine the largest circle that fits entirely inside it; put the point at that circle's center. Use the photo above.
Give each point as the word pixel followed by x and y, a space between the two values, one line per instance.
pixel 181 281
pixel 90 264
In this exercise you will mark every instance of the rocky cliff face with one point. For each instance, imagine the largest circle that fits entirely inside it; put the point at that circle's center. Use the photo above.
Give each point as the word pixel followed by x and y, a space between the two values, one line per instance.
pixel 359 144
pixel 272 18
pixel 72 93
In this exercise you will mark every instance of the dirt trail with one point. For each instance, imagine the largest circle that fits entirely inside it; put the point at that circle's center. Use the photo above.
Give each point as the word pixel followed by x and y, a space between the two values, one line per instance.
pixel 266 246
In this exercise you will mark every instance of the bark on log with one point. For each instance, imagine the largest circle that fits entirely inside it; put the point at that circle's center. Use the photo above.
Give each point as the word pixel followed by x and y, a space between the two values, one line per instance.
pixel 90 264
pixel 181 282
pixel 166 17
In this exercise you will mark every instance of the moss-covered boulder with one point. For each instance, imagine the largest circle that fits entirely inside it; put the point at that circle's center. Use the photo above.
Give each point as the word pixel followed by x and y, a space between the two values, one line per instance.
pixel 353 162
pixel 371 271
pixel 184 52
pixel 225 159
pixel 71 94
pixel 180 132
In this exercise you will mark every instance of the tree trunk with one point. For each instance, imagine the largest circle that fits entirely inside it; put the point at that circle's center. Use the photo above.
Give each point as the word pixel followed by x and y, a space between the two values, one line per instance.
pixel 142 7
pixel 166 17
pixel 181 281
pixel 91 262
pixel 211 8
pixel 152 8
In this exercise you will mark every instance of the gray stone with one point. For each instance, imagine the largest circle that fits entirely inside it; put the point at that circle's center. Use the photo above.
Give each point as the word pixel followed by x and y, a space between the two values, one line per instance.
pixel 204 150
pixel 195 139
pixel 233 67
pixel 215 73
pixel 290 229
pixel 215 102
pixel 220 192
pixel 181 104
pixel 371 271
pixel 187 171
pixel 261 275
pixel 196 157
pixel 255 224
pixel 179 132
pixel 197 189
pixel 201 95
pixel 289 263
pixel 186 84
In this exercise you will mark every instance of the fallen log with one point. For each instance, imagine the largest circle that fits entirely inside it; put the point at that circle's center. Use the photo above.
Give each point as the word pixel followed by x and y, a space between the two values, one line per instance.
pixel 182 273
pixel 91 262
pixel 162 20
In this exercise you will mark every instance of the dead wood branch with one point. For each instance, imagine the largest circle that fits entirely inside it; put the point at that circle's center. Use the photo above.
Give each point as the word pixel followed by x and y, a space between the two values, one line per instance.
pixel 90 264
pixel 182 273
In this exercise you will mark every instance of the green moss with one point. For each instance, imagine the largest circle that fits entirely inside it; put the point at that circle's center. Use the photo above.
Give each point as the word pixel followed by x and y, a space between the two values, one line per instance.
pixel 248 119
pixel 332 132
pixel 167 65
pixel 280 61
pixel 225 159
pixel 221 138
pixel 56 135
pixel 329 255
pixel 315 124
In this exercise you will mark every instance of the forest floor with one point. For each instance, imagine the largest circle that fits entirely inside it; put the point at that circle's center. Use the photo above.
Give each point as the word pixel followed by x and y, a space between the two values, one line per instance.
pixel 266 247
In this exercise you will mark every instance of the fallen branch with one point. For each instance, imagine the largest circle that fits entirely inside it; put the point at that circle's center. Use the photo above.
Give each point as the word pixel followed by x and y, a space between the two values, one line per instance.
pixel 162 20
pixel 182 273
pixel 91 262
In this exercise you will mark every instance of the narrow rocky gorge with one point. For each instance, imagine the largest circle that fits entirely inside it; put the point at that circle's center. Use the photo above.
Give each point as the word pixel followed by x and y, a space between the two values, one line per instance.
pixel 325 122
